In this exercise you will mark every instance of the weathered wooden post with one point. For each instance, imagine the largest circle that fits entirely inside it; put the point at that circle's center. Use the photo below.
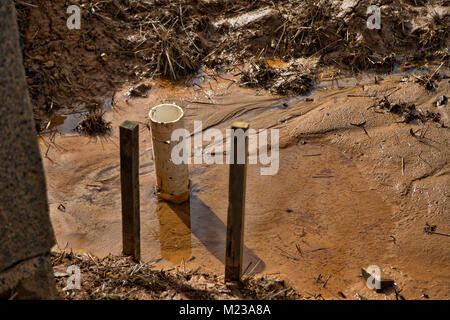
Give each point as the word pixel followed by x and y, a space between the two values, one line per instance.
pixel 236 201
pixel 129 182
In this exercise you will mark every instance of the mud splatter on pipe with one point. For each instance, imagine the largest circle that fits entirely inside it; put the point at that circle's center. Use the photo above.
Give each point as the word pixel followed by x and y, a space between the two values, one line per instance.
pixel 172 180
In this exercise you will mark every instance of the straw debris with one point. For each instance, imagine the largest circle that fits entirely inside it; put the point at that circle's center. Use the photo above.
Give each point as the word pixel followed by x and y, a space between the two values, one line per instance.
pixel 133 40
pixel 292 81
pixel 94 124
pixel 121 278
pixel 408 112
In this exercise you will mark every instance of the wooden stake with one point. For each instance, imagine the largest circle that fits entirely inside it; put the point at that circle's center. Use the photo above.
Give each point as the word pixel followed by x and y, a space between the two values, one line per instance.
pixel 129 181
pixel 236 202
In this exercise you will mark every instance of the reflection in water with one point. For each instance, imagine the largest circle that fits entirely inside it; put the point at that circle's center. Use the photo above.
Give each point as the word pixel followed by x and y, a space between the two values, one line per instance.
pixel 55 122
pixel 320 214
pixel 66 124
pixel 175 233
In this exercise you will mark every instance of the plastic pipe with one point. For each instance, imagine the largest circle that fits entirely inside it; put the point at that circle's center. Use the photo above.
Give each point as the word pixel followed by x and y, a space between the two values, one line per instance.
pixel 172 180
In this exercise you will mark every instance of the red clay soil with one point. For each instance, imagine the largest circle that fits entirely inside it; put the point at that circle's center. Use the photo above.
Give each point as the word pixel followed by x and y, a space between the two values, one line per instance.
pixel 366 164
pixel 74 70
pixel 354 188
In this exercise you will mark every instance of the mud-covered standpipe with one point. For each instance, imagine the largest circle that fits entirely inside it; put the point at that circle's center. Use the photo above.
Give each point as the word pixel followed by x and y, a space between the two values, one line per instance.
pixel 172 180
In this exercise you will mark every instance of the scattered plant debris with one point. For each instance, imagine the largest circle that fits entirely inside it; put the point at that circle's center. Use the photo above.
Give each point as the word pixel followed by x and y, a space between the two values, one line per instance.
pixel 398 296
pixel 362 124
pixel 417 3
pixel 139 91
pixel 259 74
pixel 127 40
pixel 380 61
pixel 408 111
pixel 435 34
pixel 94 124
pixel 429 80
pixel 121 278
pixel 291 81
pixel 305 28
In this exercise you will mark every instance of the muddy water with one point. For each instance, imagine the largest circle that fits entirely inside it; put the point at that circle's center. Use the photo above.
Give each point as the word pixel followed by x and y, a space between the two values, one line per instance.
pixel 67 124
pixel 318 215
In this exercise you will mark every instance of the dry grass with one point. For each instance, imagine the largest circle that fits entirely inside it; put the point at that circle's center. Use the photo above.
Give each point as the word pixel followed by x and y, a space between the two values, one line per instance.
pixel 304 30
pixel 290 81
pixel 121 278
pixel 133 40
pixel 94 124
pixel 163 37
pixel 258 75
pixel 435 35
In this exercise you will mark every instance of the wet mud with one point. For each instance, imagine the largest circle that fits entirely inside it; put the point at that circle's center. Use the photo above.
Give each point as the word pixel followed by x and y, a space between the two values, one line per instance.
pixel 354 188
pixel 120 40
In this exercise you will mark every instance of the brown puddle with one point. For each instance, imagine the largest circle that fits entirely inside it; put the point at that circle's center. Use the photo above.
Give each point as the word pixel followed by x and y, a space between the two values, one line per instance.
pixel 317 215
pixel 67 124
